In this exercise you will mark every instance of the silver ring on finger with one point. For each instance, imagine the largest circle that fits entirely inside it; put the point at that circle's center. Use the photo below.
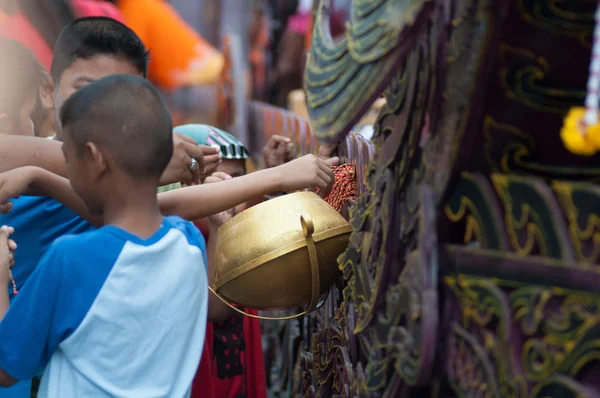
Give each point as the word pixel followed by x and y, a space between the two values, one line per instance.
pixel 193 164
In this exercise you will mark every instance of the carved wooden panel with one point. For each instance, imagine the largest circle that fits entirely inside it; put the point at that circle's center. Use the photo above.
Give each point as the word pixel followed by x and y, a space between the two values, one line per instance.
pixel 473 266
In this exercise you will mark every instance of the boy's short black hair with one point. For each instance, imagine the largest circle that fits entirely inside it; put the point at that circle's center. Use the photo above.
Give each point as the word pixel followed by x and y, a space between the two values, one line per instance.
pixel 85 38
pixel 20 76
pixel 126 115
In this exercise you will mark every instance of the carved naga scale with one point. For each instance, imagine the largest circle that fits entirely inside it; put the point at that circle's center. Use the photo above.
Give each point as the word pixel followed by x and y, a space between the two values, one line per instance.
pixel 473 268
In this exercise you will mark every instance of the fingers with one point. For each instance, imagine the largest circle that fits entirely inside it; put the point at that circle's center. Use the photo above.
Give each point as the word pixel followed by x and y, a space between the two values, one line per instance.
pixel 185 138
pixel 195 152
pixel 326 183
pixel 222 176
pixel 333 161
pixel 217 177
pixel 12 246
pixel 211 163
pixel 281 149
pixel 275 140
pixel 209 150
pixel 5 208
pixel 5 232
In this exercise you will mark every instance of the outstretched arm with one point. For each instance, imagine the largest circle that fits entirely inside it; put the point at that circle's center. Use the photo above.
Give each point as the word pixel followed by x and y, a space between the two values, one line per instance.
pixel 194 203
pixel 190 203
pixel 19 151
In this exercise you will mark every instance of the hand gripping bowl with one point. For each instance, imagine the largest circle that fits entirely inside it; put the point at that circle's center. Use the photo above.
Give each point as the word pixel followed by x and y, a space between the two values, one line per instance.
pixel 280 254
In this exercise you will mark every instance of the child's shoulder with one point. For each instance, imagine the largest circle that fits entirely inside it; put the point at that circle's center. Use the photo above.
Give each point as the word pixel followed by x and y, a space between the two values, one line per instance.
pixel 188 229
pixel 88 246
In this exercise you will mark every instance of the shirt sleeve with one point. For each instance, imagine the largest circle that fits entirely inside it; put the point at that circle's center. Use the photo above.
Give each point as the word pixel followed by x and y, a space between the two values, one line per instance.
pixel 27 332
pixel 196 238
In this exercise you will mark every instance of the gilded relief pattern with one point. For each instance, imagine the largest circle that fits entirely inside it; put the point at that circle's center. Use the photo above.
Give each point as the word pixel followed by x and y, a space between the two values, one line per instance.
pixel 461 188
pixel 552 343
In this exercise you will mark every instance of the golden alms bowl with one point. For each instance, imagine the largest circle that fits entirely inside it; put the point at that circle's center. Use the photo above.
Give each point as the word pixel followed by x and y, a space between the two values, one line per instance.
pixel 280 254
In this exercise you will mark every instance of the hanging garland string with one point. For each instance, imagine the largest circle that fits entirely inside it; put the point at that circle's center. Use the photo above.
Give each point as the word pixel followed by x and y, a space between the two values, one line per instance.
pixel 581 130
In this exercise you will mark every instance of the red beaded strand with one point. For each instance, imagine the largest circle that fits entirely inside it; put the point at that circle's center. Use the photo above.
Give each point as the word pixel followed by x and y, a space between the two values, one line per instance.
pixel 344 188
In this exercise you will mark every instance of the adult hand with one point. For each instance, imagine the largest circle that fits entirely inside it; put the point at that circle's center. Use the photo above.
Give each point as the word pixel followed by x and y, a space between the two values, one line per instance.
pixel 308 172
pixel 219 219
pixel 188 163
pixel 279 150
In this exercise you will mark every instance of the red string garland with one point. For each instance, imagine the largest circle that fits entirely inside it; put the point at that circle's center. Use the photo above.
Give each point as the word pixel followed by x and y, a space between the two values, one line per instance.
pixel 344 188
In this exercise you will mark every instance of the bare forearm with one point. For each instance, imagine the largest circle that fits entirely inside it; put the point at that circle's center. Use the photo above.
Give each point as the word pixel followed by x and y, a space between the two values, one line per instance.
pixel 193 203
pixel 18 151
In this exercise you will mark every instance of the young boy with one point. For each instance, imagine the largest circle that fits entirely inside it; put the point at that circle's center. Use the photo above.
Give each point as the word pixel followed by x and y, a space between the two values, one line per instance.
pixel 20 77
pixel 87 49
pixel 112 312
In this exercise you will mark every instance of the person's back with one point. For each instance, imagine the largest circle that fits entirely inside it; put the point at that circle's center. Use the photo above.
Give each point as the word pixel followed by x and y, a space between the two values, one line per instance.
pixel 138 303
pixel 120 311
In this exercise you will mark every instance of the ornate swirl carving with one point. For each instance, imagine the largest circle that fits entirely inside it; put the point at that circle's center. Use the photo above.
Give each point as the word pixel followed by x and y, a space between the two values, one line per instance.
pixel 533 218
pixel 509 149
pixel 473 202
pixel 573 18
pixel 523 76
pixel 343 79
pixel 579 203
pixel 552 344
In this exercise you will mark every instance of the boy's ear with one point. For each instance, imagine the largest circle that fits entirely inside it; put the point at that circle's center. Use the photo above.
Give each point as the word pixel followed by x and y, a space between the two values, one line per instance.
pixel 46 90
pixel 96 158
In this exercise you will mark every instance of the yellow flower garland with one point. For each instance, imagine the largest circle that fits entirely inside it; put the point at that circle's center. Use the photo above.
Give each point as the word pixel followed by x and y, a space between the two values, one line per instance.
pixel 577 137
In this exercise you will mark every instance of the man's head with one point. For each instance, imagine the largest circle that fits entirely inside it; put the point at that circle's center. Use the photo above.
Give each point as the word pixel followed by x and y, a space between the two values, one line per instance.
pixel 20 77
pixel 89 49
pixel 117 129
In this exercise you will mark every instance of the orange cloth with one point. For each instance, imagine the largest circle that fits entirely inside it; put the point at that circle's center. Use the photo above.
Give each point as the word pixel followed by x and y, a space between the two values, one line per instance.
pixel 179 56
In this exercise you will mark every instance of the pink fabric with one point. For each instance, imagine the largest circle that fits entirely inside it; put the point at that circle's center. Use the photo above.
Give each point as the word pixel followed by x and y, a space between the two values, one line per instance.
pixel 92 8
pixel 17 27
pixel 300 23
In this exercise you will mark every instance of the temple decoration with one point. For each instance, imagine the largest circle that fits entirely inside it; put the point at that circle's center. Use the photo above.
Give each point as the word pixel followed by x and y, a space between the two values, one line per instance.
pixel 474 262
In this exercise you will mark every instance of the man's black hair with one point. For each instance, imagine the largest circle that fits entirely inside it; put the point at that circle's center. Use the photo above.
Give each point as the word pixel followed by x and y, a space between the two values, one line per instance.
pixel 126 115
pixel 85 38
pixel 20 76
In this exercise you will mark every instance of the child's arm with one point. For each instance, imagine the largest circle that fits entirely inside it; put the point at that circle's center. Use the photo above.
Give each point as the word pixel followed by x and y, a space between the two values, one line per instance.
pixel 194 203
pixel 191 203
